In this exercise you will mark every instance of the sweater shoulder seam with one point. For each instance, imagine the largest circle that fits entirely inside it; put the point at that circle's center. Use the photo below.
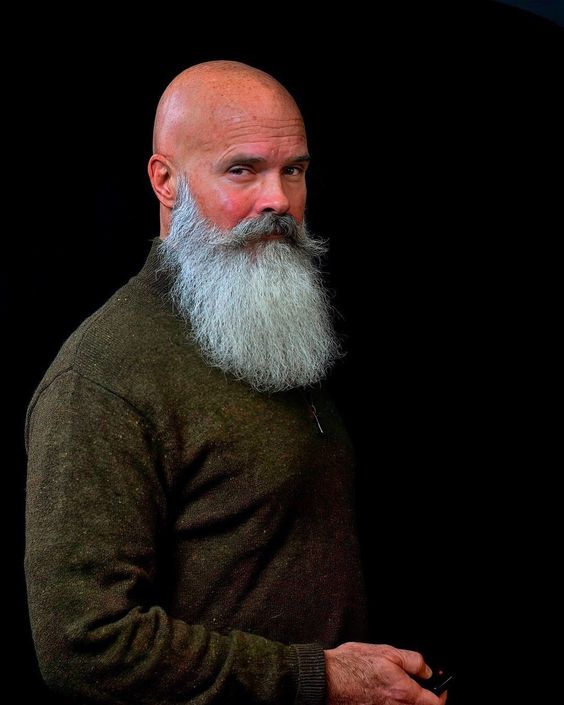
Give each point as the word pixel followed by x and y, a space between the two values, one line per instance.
pixel 71 370
pixel 97 316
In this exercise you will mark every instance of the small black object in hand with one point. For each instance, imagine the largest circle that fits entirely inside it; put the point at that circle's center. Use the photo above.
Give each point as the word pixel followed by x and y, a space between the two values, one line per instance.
pixel 439 681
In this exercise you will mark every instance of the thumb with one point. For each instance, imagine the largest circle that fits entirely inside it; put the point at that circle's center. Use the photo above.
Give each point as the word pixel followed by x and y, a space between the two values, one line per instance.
pixel 413 663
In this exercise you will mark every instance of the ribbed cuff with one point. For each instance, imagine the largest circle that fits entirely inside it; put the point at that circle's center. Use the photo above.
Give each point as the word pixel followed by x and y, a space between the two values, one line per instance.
pixel 311 675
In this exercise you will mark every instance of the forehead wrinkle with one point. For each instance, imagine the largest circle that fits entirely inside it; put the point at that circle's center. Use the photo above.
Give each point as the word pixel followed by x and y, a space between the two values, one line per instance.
pixel 236 138
pixel 236 125
pixel 250 135
pixel 284 142
pixel 266 120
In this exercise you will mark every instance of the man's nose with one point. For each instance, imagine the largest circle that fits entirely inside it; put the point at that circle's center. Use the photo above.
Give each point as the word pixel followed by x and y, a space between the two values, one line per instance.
pixel 272 197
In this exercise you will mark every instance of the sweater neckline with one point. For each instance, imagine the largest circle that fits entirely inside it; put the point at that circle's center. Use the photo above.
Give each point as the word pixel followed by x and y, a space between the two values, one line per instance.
pixel 154 274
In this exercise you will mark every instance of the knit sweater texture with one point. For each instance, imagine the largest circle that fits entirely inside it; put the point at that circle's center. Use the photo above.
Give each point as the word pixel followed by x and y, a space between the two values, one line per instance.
pixel 188 539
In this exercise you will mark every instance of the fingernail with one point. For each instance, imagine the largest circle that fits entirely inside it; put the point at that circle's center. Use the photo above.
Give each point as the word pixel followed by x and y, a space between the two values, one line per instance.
pixel 428 672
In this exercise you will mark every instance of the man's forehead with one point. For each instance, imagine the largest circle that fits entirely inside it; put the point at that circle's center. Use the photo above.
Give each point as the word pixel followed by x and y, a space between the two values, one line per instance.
pixel 251 135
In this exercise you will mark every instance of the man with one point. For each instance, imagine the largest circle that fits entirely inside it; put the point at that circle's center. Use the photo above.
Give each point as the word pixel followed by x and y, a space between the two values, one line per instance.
pixel 190 536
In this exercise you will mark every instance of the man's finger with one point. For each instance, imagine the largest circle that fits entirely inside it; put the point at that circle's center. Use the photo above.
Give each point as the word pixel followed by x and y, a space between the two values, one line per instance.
pixel 427 698
pixel 414 663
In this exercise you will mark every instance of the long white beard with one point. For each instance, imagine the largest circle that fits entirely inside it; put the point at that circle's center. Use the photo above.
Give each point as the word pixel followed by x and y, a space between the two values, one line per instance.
pixel 257 309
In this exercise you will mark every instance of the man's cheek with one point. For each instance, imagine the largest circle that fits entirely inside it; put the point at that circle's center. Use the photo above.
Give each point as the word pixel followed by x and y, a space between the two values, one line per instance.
pixel 227 208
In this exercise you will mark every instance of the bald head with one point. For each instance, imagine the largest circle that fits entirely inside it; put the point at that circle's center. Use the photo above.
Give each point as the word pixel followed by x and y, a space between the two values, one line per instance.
pixel 209 92
pixel 236 136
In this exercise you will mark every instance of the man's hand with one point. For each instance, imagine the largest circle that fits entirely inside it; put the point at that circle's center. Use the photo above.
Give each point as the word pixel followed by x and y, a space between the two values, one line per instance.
pixel 376 674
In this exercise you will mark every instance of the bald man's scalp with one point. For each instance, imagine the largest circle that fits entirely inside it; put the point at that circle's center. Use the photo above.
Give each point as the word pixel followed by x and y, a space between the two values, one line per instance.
pixel 201 93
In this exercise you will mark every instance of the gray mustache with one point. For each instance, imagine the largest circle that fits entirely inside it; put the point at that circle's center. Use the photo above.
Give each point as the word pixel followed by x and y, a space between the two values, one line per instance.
pixel 249 231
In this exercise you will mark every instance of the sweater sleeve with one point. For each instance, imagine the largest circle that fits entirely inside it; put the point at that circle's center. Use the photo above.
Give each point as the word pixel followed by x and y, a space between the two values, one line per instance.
pixel 95 510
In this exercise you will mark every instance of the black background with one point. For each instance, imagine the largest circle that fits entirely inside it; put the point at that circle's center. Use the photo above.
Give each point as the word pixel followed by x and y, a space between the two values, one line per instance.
pixel 435 136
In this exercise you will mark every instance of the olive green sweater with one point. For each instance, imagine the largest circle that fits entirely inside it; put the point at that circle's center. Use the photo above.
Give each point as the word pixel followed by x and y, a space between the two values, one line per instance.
pixel 188 539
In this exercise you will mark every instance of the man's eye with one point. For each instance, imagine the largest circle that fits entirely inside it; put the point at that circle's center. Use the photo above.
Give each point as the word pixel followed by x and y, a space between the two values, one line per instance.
pixel 239 170
pixel 293 170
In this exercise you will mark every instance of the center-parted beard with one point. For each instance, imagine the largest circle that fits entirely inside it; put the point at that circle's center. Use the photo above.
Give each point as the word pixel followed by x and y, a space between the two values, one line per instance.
pixel 257 308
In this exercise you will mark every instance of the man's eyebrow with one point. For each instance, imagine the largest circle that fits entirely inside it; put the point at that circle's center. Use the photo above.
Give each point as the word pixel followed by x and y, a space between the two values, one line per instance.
pixel 247 159
pixel 300 158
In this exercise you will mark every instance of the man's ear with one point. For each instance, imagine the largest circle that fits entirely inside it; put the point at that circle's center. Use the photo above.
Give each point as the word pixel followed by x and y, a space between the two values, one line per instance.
pixel 163 180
